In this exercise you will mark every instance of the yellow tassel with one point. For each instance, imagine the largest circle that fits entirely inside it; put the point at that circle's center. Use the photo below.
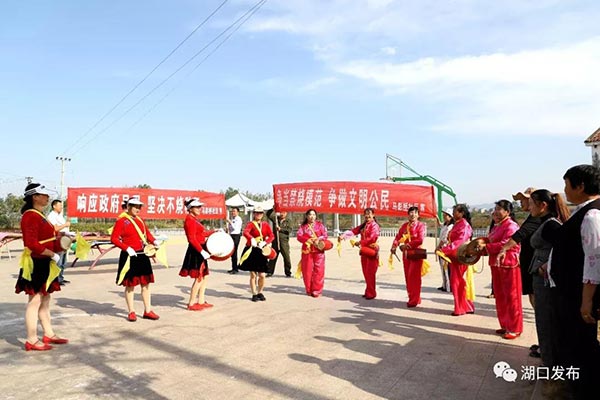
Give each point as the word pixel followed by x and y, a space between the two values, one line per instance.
pixel 339 247
pixel 245 255
pixel 442 256
pixel 470 284
pixel 161 254
pixel 298 274
pixel 53 273
pixel 353 242
pixel 124 271
pixel 82 248
pixel 424 268
pixel 391 262
pixel 26 264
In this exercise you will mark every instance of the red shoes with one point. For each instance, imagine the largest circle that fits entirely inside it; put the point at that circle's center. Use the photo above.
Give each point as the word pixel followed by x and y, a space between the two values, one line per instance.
pixel 150 315
pixel 132 317
pixel 37 347
pixel 54 340
pixel 511 335
pixel 199 307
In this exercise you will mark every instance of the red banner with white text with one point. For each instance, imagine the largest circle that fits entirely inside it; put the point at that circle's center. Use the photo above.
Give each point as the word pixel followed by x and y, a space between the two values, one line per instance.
pixel 393 199
pixel 158 203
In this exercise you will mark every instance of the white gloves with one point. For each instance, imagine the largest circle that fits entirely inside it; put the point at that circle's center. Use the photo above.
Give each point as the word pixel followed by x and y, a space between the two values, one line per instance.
pixel 253 242
pixel 205 254
pixel 131 252
pixel 262 244
pixel 56 258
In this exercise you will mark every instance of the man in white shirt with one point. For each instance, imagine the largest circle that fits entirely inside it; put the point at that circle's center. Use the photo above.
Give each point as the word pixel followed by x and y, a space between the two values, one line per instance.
pixel 57 219
pixel 234 226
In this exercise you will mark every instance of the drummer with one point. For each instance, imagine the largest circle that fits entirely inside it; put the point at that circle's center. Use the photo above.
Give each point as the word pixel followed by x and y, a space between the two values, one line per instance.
pixel 132 236
pixel 369 250
pixel 311 232
pixel 410 236
pixel 259 236
pixel 195 261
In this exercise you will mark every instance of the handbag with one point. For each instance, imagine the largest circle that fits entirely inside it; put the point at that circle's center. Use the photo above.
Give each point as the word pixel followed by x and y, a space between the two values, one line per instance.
pixel 416 254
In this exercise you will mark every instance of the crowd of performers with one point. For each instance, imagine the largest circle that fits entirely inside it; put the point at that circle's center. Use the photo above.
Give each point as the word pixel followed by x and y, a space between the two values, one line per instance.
pixel 559 273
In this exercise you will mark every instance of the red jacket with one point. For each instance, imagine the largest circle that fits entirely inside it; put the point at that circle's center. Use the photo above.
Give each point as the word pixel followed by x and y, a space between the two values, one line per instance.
pixel 368 234
pixel 500 235
pixel 417 234
pixel 195 232
pixel 125 235
pixel 36 228
pixel 265 229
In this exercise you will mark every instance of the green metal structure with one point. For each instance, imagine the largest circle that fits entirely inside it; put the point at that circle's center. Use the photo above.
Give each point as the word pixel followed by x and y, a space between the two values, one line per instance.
pixel 440 186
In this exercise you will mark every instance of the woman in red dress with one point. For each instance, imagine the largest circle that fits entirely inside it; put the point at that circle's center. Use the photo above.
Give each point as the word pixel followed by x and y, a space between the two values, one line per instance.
pixel 131 235
pixel 38 276
pixel 195 261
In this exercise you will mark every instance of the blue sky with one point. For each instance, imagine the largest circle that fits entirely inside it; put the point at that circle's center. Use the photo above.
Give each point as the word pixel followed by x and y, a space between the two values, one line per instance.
pixel 489 97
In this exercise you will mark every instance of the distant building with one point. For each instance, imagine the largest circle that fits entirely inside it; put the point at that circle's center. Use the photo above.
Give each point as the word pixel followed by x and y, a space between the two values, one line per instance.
pixel 594 142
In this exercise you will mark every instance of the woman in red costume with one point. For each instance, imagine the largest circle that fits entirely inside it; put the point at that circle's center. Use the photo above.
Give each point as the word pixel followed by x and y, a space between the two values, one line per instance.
pixel 131 235
pixel 460 233
pixel 410 236
pixel 313 260
pixel 258 234
pixel 195 261
pixel 506 275
pixel 369 253
pixel 38 276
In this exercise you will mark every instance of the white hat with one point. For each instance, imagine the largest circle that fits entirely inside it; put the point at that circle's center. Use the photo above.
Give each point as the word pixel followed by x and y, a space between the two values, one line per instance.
pixel 193 203
pixel 39 189
pixel 448 211
pixel 259 209
pixel 134 201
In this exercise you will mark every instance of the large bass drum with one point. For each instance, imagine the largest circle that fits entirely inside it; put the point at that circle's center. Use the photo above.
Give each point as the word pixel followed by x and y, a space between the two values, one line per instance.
pixel 220 245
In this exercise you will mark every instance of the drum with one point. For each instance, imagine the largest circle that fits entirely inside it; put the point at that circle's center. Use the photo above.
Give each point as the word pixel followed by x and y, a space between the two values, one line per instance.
pixel 220 245
pixel 324 245
pixel 269 252
pixel 65 242
pixel 150 250
pixel 368 251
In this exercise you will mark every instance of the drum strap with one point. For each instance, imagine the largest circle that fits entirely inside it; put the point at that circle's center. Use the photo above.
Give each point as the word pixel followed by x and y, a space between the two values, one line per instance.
pixel 258 228
pixel 313 236
pixel 137 228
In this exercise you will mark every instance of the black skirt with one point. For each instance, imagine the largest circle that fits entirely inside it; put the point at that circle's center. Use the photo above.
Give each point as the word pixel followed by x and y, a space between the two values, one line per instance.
pixel 256 262
pixel 39 276
pixel 140 270
pixel 194 265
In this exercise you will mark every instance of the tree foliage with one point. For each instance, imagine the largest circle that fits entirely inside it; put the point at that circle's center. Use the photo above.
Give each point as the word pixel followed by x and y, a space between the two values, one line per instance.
pixel 10 211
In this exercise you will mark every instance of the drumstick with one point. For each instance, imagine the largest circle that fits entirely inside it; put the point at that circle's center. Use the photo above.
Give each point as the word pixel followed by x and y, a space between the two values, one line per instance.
pixel 397 258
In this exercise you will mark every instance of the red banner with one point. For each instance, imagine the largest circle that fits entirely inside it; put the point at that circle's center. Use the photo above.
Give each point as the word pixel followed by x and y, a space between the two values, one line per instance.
pixel 158 203
pixel 392 199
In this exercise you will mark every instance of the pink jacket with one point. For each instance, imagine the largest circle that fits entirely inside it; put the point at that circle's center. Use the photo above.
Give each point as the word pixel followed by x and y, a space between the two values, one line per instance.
pixel 499 236
pixel 307 231
pixel 461 233
pixel 417 234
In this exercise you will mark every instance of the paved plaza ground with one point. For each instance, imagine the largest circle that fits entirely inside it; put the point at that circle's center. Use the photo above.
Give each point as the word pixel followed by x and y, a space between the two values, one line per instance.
pixel 292 346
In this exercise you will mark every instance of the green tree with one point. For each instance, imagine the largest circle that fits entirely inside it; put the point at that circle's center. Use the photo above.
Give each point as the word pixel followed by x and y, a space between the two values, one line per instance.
pixel 10 211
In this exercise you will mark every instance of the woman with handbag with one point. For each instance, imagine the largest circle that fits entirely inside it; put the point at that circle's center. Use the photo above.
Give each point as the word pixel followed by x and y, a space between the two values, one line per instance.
pixel 460 233
pixel 506 274
pixel 409 239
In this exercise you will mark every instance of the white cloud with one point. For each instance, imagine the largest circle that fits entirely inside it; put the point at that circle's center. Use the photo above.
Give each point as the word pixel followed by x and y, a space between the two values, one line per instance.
pixel 319 83
pixel 550 91
pixel 388 51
